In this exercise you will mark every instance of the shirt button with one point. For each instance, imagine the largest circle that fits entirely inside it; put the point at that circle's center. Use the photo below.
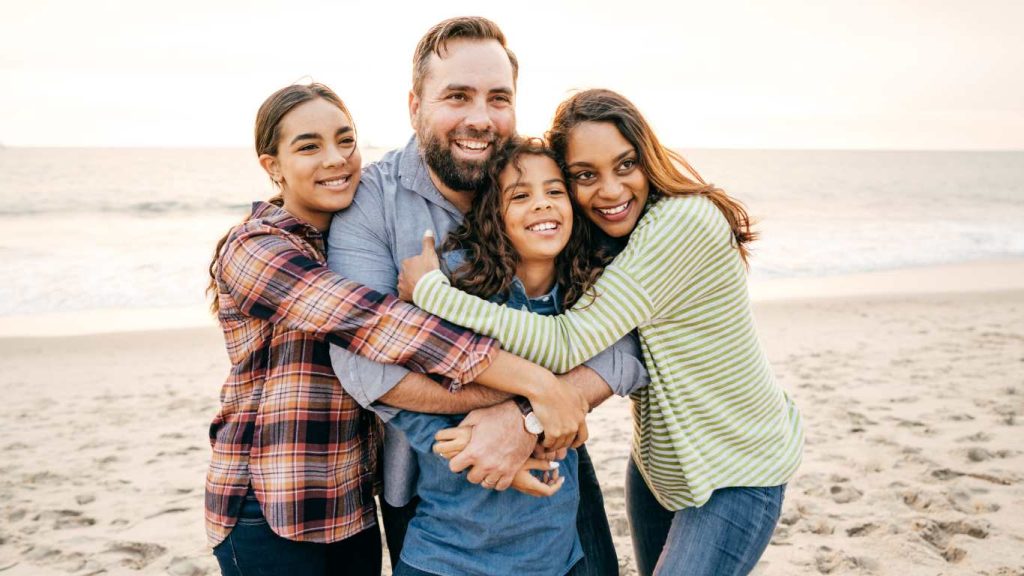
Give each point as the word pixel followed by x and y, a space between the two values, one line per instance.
pixel 546 298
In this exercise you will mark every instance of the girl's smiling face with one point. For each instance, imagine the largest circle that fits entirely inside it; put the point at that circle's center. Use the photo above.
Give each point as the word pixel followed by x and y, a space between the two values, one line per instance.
pixel 536 207
pixel 317 164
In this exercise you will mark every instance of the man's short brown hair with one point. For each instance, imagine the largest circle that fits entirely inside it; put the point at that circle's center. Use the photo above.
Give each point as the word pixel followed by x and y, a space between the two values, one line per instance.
pixel 435 41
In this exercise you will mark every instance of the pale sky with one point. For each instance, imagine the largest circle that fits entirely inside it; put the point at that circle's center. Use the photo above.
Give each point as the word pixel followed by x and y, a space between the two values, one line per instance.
pixel 911 74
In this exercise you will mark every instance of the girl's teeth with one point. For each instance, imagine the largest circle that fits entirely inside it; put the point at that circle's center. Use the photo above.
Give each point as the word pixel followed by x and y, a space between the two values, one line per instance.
pixel 543 227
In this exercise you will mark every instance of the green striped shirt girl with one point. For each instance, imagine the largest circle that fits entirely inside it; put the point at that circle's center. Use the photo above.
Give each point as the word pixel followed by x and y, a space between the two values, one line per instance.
pixel 713 415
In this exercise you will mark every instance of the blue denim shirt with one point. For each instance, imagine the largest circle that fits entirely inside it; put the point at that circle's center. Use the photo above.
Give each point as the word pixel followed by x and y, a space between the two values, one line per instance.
pixel 462 528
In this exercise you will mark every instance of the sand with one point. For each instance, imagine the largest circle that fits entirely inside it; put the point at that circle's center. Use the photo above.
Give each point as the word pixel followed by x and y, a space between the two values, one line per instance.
pixel 912 401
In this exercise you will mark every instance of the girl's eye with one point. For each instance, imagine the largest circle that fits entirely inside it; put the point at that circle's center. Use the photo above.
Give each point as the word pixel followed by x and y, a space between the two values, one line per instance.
pixel 583 176
pixel 307 148
pixel 628 163
pixel 519 196
pixel 556 191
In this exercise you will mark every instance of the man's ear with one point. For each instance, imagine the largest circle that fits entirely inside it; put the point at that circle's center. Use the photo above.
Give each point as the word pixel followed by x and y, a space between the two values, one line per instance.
pixel 414 108
pixel 271 167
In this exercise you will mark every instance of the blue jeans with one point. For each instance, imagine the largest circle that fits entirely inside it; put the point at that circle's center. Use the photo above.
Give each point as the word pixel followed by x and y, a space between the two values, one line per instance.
pixel 252 548
pixel 599 558
pixel 726 536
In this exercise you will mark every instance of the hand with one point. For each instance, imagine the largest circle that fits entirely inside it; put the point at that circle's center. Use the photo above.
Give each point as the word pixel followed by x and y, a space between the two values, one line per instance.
pixel 416 267
pixel 562 410
pixel 527 483
pixel 498 447
pixel 450 441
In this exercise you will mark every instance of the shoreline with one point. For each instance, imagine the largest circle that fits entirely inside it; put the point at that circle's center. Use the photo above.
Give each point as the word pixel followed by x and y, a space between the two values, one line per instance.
pixel 969 277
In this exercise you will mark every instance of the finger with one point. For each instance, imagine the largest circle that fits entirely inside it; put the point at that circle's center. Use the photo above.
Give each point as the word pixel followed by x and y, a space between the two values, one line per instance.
pixel 428 242
pixel 535 487
pixel 561 454
pixel 538 464
pixel 504 482
pixel 449 446
pixel 452 434
pixel 581 435
pixel 460 462
pixel 476 475
pixel 447 449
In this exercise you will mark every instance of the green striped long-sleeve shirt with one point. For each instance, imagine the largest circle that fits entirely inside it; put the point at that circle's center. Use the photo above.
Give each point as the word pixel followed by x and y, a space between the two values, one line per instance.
pixel 713 415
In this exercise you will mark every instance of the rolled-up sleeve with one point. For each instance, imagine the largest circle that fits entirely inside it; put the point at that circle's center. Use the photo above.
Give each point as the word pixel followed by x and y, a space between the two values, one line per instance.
pixel 621 366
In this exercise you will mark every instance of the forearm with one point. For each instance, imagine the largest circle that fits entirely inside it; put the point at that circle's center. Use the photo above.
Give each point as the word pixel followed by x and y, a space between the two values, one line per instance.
pixel 418 393
pixel 589 383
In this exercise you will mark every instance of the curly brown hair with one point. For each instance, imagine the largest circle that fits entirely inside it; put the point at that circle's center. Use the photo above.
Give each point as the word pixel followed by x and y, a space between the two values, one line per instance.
pixel 491 260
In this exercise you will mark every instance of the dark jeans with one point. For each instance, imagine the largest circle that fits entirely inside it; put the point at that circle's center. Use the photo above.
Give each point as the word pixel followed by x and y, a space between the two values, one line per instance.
pixel 252 548
pixel 724 537
pixel 599 557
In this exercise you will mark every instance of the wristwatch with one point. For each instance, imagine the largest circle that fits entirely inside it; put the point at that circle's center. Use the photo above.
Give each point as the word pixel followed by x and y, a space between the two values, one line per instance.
pixel 530 420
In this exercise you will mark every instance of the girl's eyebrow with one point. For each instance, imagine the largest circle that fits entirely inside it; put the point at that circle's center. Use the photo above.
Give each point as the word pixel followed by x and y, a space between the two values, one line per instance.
pixel 618 158
pixel 554 181
pixel 306 136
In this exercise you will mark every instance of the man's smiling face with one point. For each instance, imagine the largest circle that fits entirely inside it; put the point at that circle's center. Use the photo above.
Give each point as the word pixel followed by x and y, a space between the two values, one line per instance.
pixel 465 111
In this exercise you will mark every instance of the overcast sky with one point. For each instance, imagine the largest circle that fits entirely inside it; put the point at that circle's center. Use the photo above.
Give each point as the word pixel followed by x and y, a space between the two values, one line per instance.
pixel 767 74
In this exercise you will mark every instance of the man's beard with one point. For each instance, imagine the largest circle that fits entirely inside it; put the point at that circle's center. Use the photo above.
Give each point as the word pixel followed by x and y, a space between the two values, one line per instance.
pixel 461 176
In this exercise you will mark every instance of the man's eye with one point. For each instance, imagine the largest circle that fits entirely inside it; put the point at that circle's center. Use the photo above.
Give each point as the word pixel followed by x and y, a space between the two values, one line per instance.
pixel 458 97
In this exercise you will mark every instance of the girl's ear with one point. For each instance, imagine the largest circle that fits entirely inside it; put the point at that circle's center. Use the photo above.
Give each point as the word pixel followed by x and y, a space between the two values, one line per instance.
pixel 271 167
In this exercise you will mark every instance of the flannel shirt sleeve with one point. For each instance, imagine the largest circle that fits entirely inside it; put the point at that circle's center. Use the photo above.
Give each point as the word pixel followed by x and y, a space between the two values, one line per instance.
pixel 269 277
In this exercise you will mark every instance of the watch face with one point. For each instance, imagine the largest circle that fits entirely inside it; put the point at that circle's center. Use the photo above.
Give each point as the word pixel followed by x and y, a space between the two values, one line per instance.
pixel 533 425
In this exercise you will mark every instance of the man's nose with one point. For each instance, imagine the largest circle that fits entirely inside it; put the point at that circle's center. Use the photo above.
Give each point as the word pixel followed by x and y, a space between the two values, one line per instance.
pixel 479 116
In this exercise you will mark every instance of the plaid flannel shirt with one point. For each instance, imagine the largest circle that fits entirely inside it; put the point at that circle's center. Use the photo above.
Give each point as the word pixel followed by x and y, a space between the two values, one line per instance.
pixel 285 424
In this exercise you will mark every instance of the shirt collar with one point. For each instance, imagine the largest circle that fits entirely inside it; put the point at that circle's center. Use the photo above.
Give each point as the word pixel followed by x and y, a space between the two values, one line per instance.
pixel 274 215
pixel 412 170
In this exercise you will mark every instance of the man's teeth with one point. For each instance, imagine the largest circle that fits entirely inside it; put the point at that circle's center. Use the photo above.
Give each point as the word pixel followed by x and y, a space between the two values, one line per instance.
pixel 337 182
pixel 543 226
pixel 472 144
pixel 613 211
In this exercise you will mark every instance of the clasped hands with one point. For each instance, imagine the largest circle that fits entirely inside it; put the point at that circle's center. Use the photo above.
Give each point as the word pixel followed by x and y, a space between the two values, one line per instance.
pixel 499 453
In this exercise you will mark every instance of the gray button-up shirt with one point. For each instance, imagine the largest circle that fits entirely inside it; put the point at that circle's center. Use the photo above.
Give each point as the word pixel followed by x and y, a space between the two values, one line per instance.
pixel 395 203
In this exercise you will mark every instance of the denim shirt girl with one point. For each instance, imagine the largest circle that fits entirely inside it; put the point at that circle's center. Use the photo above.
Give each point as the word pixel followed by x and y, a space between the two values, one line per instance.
pixel 462 528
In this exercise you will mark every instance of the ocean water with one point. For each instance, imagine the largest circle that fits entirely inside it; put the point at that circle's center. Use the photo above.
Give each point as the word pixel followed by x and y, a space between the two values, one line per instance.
pixel 86 229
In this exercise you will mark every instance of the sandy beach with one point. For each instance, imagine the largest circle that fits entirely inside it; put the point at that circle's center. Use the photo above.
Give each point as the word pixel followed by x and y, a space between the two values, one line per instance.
pixel 912 390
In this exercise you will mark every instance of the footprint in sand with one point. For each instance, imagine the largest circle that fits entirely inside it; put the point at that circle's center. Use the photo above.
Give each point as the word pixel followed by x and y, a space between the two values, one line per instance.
pixel 979 454
pixel 64 519
pixel 827 561
pixel 940 534
pixel 136 555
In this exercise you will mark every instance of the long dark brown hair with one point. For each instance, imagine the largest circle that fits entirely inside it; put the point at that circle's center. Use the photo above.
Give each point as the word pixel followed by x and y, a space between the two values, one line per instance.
pixel 491 259
pixel 664 168
pixel 268 136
